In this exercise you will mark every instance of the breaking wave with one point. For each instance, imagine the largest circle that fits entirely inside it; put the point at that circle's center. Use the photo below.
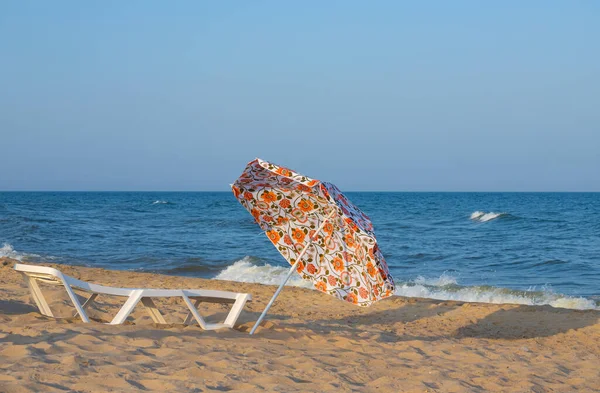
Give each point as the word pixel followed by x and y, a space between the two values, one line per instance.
pixel 484 217
pixel 159 202
pixel 447 288
pixel 444 287
pixel 9 252
pixel 245 271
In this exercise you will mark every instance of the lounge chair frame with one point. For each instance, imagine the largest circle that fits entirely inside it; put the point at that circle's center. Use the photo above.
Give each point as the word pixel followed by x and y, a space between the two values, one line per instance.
pixel 33 274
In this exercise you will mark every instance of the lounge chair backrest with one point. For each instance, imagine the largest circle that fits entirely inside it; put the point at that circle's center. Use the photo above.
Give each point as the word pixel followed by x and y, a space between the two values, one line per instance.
pixel 55 276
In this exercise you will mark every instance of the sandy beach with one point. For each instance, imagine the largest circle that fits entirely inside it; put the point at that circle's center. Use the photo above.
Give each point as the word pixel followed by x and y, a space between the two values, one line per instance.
pixel 310 342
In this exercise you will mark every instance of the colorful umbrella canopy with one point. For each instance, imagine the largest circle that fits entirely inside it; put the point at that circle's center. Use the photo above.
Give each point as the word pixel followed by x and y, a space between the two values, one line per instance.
pixel 316 228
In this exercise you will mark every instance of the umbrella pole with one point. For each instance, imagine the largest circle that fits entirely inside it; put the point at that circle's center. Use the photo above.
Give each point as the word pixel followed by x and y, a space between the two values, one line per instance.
pixel 262 316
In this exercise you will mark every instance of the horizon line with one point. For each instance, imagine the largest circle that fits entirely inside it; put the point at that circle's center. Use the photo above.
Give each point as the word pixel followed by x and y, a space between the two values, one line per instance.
pixel 373 191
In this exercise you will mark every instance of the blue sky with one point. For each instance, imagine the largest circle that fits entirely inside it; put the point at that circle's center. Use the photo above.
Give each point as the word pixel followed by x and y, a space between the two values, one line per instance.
pixel 385 95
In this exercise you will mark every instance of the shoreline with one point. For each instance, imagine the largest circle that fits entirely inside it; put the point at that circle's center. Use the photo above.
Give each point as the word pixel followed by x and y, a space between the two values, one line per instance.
pixel 310 342
pixel 443 288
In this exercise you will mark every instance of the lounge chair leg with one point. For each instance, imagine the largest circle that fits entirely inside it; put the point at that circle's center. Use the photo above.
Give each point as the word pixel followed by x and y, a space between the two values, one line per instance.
pixel 76 303
pixel 87 303
pixel 127 308
pixel 38 297
pixel 190 317
pixel 153 311
pixel 236 309
pixel 194 312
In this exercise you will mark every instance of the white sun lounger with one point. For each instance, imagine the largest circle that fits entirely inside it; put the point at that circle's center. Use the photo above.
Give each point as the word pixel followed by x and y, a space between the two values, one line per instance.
pixel 49 275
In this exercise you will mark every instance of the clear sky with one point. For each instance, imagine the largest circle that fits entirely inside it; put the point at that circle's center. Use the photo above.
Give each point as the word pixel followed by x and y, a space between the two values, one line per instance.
pixel 370 95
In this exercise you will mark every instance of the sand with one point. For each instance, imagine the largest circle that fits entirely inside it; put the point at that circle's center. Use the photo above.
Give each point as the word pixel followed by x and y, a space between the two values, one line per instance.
pixel 311 342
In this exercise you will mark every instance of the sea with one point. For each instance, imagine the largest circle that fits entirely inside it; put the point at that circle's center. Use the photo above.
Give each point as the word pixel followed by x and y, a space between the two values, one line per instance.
pixel 521 248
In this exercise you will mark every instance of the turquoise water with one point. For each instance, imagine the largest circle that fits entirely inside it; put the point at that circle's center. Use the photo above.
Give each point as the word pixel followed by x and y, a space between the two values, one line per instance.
pixel 531 248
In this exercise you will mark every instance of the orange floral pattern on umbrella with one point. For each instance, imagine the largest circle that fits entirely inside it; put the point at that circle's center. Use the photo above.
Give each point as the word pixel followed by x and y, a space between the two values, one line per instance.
pixel 343 259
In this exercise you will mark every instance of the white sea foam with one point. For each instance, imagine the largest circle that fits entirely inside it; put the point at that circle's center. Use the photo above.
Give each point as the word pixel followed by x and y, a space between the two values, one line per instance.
pixel 484 217
pixel 445 287
pixel 158 202
pixel 492 295
pixel 8 251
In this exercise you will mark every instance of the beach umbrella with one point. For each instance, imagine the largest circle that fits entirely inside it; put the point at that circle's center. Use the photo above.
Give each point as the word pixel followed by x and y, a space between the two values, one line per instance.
pixel 324 237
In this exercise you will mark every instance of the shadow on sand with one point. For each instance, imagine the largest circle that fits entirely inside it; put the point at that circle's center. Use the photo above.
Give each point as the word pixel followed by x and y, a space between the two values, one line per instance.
pixel 529 322
pixel 13 307
pixel 516 322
